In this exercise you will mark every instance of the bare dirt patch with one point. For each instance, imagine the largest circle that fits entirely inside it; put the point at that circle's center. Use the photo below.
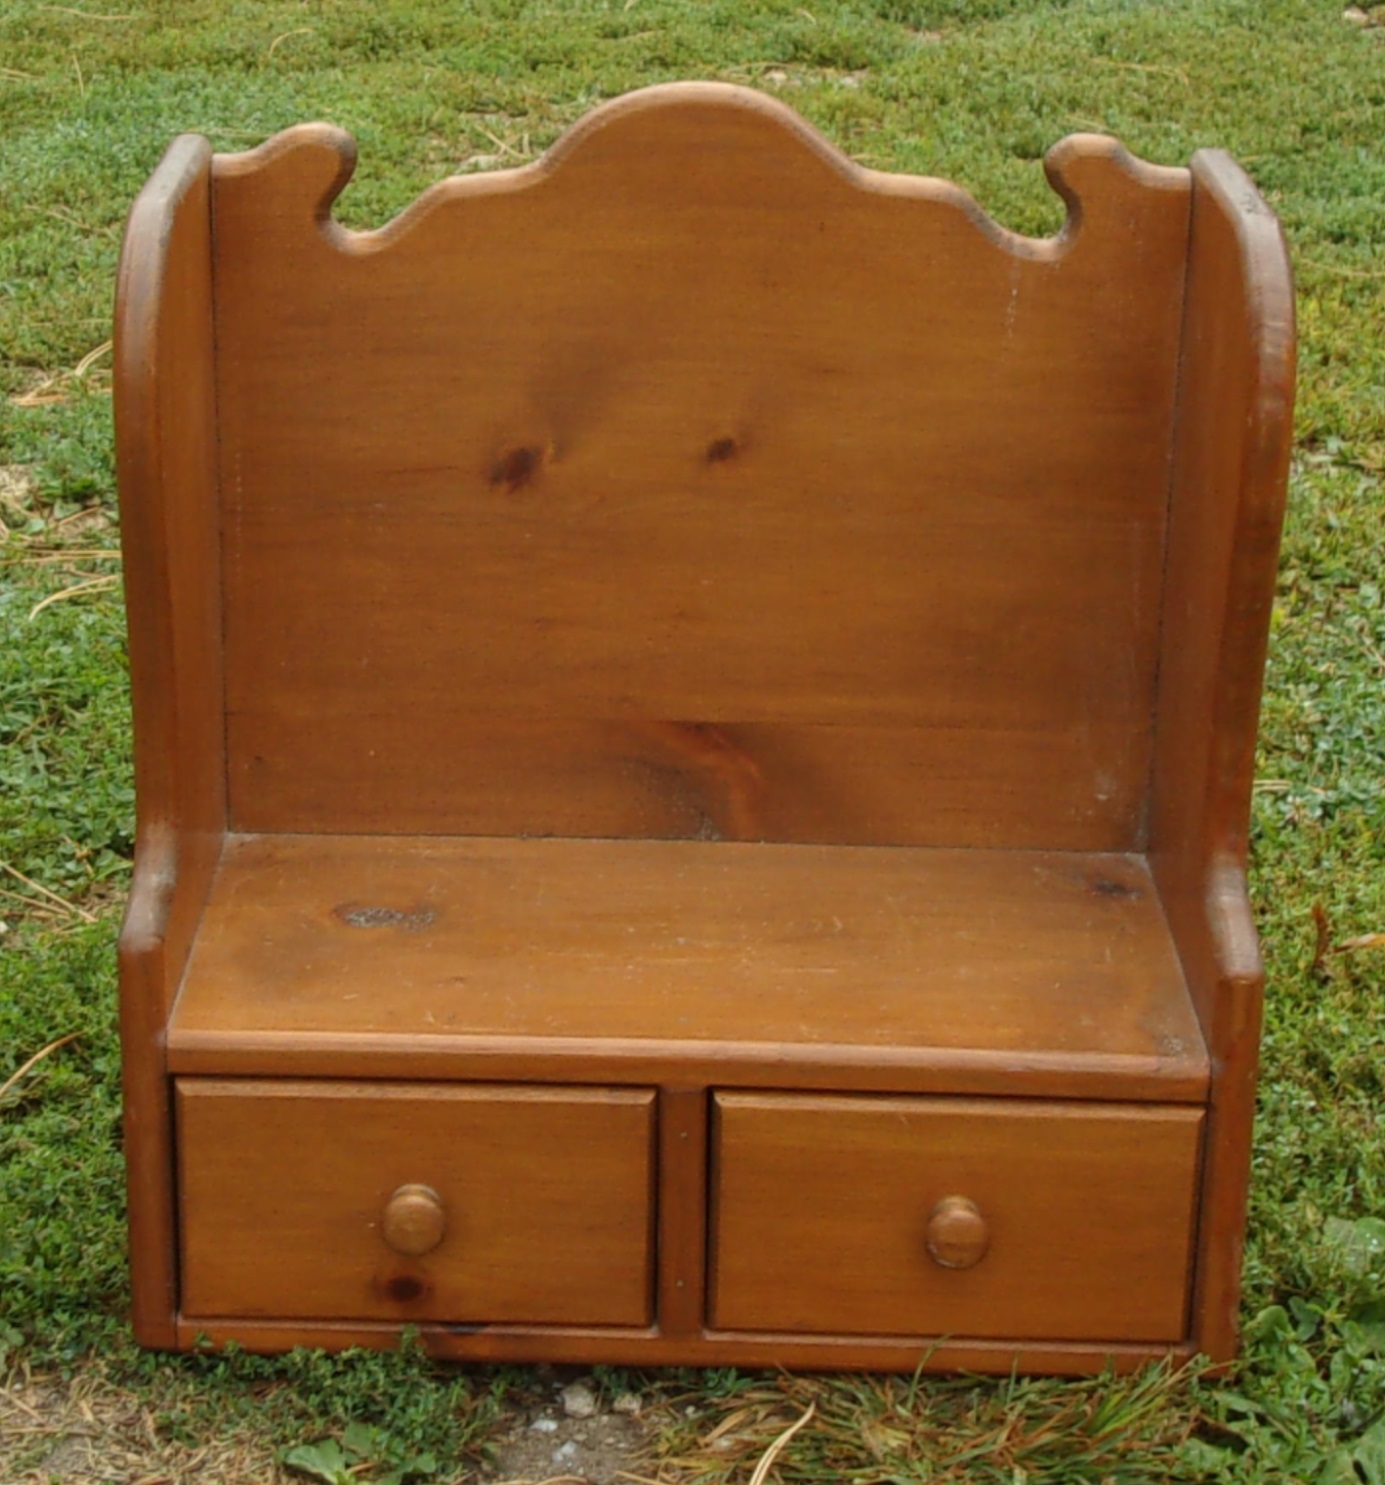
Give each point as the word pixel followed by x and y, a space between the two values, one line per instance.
pixel 570 1435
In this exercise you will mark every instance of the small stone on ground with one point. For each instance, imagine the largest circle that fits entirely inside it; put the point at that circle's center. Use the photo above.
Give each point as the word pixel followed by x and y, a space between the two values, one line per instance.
pixel 579 1401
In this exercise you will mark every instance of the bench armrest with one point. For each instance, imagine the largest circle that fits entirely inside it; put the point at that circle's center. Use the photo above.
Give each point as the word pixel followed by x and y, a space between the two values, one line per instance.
pixel 1230 466
pixel 165 452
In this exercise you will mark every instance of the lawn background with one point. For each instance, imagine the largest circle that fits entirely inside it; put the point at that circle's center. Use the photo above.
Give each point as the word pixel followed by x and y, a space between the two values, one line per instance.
pixel 90 95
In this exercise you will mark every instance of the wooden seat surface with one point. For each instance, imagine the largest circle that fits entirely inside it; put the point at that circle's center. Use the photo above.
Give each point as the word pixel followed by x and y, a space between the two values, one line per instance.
pixel 391 956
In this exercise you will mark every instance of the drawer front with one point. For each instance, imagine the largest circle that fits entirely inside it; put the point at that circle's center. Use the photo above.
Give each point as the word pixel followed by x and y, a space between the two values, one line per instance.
pixel 986 1218
pixel 408 1202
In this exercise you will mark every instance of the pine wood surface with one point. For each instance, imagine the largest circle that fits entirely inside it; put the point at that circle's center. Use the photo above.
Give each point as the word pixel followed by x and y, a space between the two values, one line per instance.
pixel 727 489
pixel 547 1195
pixel 871 955
pixel 821 1208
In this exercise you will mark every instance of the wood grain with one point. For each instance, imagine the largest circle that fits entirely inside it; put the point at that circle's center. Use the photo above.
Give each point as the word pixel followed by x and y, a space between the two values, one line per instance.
pixel 1231 465
pixel 997 962
pixel 806 784
pixel 671 501
pixel 822 1205
pixel 547 1192
pixel 169 517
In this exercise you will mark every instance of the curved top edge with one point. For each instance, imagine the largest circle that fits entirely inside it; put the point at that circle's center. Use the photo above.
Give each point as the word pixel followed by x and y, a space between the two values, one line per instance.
pixel 1080 168
pixel 144 248
pixel 182 162
pixel 153 210
pixel 1269 273
pixel 330 141
pixel 174 204
pixel 1076 155
pixel 1263 485
pixel 715 96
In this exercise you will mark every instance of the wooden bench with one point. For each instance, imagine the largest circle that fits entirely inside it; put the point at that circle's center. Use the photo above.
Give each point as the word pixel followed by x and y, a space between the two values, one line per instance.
pixel 695 709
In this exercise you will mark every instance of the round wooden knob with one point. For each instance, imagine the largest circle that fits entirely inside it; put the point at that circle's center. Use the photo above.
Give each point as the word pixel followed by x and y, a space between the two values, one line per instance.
pixel 957 1233
pixel 414 1220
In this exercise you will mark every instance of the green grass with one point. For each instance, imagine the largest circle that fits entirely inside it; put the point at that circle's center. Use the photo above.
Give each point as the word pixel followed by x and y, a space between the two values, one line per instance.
pixel 971 91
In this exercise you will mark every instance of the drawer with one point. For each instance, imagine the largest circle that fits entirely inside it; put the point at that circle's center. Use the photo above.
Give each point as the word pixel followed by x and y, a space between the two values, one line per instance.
pixel 986 1218
pixel 405 1202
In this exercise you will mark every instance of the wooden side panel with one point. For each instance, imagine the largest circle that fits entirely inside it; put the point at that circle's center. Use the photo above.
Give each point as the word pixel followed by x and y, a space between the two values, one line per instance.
pixel 825 1213
pixel 1234 430
pixel 695 482
pixel 165 448
pixel 544 1196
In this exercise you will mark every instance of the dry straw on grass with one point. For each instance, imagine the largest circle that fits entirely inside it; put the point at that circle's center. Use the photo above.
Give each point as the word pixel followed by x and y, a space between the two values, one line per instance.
pixel 958 1432
pixel 63 385
pixel 774 1431
pixel 46 902
pixel 86 1431
pixel 26 1067
pixel 33 538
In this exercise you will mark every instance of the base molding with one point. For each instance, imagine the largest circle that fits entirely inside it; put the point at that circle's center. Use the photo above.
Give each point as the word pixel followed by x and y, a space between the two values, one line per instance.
pixel 611 1346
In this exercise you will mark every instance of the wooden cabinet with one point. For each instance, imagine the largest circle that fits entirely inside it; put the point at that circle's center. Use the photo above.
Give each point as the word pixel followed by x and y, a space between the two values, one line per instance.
pixel 694 716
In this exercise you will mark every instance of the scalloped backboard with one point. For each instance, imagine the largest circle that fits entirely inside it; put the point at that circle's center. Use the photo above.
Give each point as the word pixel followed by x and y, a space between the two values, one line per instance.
pixel 694 482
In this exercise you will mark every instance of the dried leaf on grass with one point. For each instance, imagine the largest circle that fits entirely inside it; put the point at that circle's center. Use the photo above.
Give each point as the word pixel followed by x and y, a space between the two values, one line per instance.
pixel 1324 948
pixel 1322 938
